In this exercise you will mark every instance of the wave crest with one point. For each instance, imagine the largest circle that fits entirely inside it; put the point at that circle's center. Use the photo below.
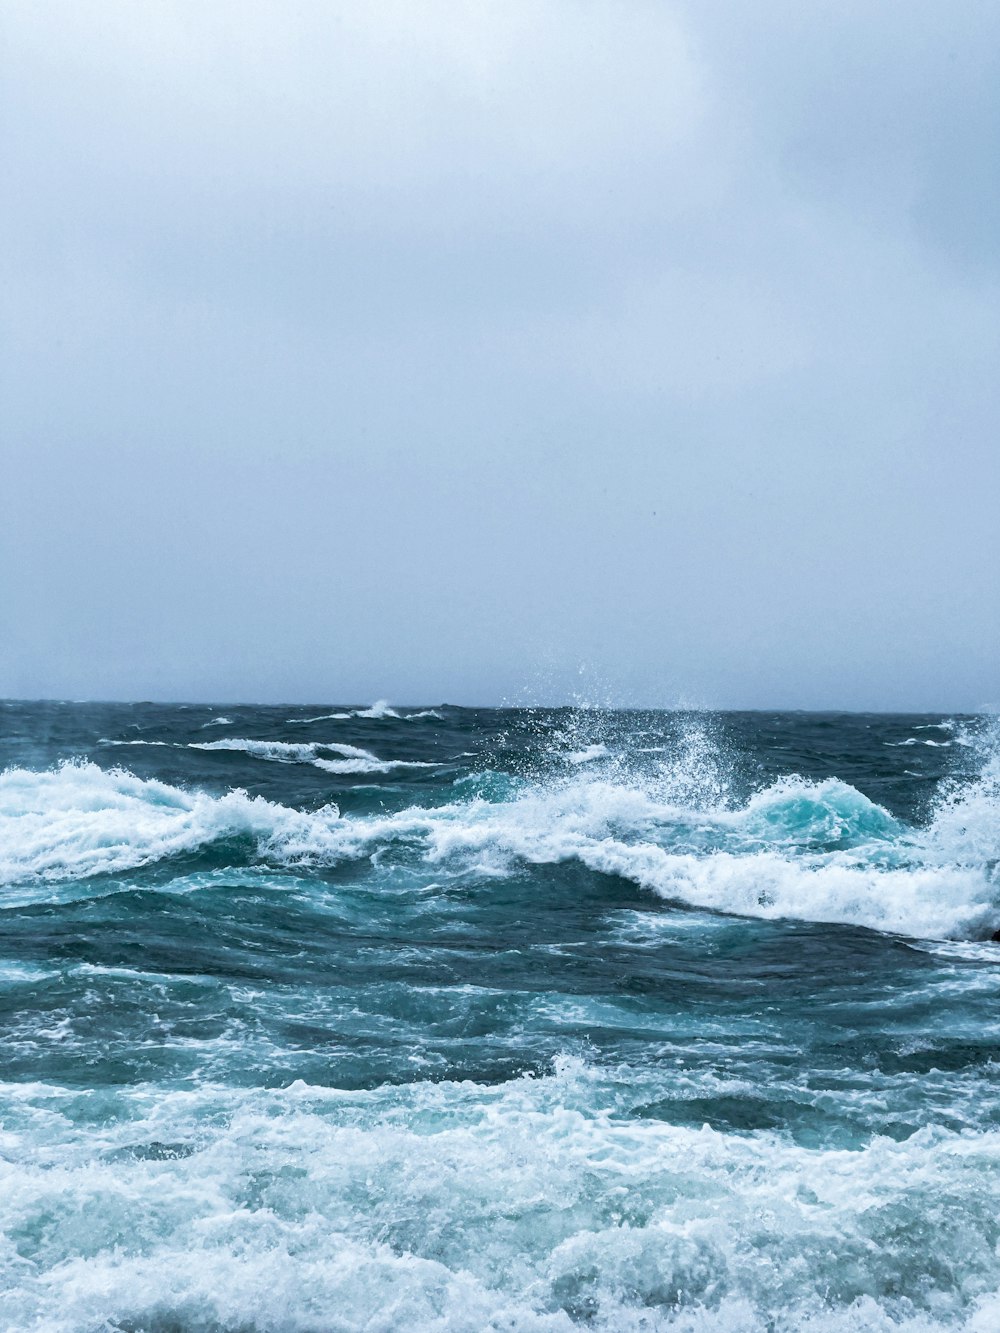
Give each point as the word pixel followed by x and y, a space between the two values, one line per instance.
pixel 831 814
pixel 352 759
pixel 81 820
pixel 806 850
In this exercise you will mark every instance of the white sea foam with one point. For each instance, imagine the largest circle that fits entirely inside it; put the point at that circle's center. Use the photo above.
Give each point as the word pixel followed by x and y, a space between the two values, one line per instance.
pixel 81 820
pixel 588 753
pixel 929 902
pixel 936 883
pixel 105 740
pixel 380 708
pixel 921 740
pixel 352 759
pixel 284 752
pixel 457 1207
pixel 812 851
pixel 321 717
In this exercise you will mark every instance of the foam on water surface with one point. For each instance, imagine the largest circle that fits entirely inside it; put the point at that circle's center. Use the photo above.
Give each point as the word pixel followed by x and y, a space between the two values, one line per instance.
pixel 532 1204
pixel 813 851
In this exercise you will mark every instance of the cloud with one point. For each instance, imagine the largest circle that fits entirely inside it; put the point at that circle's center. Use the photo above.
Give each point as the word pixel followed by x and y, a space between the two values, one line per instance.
pixel 441 338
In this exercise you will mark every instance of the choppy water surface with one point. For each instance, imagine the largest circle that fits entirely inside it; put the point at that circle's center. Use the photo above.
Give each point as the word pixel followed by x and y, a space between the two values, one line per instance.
pixel 363 1018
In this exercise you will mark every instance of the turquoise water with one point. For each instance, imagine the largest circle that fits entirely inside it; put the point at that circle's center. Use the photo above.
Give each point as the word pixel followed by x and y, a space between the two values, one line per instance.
pixel 371 1018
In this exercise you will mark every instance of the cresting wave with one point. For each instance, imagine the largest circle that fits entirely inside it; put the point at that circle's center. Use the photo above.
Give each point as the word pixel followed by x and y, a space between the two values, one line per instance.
pixel 814 851
pixel 353 758
pixel 80 820
pixel 378 711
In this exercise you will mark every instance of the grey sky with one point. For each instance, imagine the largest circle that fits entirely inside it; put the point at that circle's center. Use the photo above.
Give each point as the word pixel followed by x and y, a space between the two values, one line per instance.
pixel 501 351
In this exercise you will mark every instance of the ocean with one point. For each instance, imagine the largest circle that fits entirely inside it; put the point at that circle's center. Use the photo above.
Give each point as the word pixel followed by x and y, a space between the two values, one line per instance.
pixel 382 1018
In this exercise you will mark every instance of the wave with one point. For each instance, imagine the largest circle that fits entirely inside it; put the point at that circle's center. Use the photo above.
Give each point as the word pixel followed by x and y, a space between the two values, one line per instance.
pixel 353 759
pixel 106 740
pixel 830 814
pixel 321 717
pixel 920 740
pixel 284 752
pixel 378 710
pixel 798 849
pixel 534 1204
pixel 960 734
pixel 588 753
pixel 81 820
pixel 381 708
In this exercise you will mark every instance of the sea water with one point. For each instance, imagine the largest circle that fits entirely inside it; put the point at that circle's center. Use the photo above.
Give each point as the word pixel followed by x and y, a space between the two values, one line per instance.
pixel 344 1018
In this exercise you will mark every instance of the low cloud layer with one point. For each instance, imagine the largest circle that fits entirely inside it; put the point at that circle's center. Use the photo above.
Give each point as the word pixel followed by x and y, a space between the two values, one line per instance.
pixel 501 351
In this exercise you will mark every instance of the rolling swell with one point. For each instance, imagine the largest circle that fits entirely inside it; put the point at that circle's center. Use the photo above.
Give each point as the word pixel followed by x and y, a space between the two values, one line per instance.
pixel 553 1020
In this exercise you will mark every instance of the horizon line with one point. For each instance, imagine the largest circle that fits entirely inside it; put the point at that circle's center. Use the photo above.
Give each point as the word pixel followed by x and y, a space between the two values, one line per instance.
pixel 981 711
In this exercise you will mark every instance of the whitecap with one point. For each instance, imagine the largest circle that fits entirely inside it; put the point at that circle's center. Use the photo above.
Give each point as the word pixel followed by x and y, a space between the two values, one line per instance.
pixel 285 752
pixel 80 820
pixel 805 850
pixel 812 851
pixel 352 759
pixel 922 740
pixel 381 708
pixel 588 753
pixel 104 740
pixel 455 1207
pixel 320 717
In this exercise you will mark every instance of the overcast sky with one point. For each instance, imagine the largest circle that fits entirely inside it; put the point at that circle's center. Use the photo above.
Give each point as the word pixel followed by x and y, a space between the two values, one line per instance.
pixel 501 351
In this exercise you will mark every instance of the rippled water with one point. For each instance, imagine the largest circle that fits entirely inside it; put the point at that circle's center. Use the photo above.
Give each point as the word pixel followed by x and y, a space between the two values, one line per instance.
pixel 373 1018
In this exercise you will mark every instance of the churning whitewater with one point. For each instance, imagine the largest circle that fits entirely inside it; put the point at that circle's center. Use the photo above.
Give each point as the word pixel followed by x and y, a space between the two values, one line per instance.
pixel 373 1017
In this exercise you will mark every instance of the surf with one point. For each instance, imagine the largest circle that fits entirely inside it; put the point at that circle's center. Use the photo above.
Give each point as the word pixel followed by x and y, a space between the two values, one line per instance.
pixel 798 848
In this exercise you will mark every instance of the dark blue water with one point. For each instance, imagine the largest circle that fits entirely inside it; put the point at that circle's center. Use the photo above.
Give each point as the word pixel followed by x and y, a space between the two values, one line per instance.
pixel 361 1018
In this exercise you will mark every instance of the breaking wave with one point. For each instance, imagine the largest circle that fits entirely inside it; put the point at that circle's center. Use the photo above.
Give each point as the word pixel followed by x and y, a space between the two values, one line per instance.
pixel 379 710
pixel 813 851
pixel 352 759
pixel 80 820
pixel 457 1207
